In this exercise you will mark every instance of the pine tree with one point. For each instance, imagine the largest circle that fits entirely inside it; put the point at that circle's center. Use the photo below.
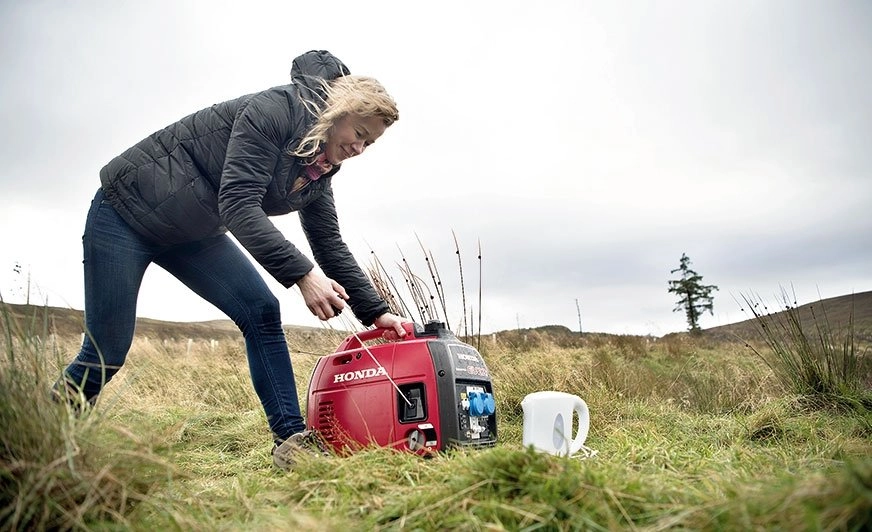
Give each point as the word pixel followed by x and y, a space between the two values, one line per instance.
pixel 693 296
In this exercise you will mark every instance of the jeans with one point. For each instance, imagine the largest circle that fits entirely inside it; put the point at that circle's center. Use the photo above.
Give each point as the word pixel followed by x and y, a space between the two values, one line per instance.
pixel 115 260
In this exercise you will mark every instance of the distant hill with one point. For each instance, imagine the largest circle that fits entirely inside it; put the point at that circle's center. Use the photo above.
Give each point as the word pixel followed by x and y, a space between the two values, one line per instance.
pixel 835 313
pixel 66 322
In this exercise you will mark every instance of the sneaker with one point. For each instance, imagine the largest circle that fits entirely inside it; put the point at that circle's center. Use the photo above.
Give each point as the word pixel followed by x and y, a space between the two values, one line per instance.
pixel 306 442
pixel 69 396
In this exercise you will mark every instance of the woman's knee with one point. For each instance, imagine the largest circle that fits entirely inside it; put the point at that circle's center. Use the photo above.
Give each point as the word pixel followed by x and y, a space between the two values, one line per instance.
pixel 261 312
pixel 270 310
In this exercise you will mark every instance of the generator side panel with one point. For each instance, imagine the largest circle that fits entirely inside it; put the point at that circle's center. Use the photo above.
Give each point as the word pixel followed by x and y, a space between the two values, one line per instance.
pixel 467 412
pixel 350 399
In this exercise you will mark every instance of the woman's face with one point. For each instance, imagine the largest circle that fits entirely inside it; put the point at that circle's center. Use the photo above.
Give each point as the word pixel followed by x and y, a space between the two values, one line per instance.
pixel 350 135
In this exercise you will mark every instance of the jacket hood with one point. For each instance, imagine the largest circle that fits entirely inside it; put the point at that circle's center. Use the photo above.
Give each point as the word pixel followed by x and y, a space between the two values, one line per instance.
pixel 309 68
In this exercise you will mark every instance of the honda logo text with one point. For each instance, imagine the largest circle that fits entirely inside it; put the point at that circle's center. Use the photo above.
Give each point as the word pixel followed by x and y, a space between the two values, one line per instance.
pixel 359 374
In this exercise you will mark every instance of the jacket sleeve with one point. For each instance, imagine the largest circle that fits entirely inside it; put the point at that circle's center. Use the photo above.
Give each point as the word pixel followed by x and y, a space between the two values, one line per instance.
pixel 254 149
pixel 321 226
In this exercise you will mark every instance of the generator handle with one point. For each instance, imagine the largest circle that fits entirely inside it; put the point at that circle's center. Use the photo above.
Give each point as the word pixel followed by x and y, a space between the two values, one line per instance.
pixel 354 341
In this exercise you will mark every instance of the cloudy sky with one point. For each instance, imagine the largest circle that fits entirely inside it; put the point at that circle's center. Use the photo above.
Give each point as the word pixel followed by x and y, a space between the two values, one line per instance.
pixel 585 145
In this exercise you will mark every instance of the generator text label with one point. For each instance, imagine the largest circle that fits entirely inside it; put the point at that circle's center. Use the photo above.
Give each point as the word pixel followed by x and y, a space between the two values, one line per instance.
pixel 359 374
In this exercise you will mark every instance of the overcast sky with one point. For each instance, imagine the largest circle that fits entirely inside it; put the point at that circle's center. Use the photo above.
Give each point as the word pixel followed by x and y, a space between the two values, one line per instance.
pixel 585 145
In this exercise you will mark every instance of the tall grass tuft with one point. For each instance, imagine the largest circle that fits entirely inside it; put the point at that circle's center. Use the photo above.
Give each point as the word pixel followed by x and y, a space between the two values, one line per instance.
pixel 510 489
pixel 810 356
pixel 59 470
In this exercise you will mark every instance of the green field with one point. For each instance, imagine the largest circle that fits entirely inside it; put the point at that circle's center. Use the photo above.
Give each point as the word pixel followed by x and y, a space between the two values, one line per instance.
pixel 699 433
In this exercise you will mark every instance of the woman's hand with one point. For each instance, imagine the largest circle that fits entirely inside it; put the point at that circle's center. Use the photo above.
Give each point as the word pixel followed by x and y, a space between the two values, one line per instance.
pixel 391 321
pixel 324 296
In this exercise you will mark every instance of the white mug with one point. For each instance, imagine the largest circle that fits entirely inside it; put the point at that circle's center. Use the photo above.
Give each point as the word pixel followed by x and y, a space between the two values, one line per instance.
pixel 548 422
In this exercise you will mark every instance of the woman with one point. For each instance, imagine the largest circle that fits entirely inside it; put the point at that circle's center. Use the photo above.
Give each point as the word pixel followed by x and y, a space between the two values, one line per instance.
pixel 171 199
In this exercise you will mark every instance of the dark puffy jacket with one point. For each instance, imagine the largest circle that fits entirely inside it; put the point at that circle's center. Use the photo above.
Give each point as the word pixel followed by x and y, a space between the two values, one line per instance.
pixel 227 167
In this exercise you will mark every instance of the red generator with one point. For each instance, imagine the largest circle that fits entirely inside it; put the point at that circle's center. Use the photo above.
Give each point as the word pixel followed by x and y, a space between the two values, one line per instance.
pixel 423 393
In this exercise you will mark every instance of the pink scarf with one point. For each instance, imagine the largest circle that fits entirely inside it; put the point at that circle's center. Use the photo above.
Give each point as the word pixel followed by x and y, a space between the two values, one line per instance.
pixel 318 167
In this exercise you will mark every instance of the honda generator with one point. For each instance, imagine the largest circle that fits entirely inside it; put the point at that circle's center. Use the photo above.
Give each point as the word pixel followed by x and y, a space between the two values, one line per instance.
pixel 423 393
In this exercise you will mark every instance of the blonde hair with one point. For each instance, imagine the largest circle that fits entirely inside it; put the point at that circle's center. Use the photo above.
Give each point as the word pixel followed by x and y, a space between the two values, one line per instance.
pixel 358 95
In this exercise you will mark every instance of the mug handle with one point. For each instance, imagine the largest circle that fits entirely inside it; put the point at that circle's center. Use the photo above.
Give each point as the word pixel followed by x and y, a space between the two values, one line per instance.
pixel 580 408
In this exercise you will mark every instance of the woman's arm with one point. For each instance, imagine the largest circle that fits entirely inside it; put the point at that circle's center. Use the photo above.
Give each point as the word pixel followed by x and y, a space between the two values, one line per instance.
pixel 256 144
pixel 321 226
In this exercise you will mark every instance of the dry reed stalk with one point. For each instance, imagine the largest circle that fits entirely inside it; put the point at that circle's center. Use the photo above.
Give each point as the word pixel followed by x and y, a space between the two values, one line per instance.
pixel 417 287
pixel 434 275
pixel 478 336
pixel 462 287
pixel 423 296
pixel 389 287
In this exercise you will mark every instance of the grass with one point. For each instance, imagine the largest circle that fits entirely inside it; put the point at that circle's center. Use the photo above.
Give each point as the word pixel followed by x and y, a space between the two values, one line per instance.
pixel 59 470
pixel 691 433
pixel 811 356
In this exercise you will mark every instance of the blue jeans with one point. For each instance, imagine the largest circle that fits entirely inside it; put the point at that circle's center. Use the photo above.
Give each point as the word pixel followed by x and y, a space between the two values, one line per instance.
pixel 115 259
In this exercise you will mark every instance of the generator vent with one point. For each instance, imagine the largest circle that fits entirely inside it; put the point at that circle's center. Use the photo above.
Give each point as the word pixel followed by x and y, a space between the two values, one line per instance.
pixel 327 422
